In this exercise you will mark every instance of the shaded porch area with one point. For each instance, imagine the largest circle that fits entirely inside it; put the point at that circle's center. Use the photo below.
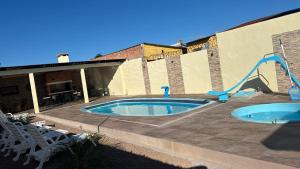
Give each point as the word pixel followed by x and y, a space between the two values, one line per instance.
pixel 37 88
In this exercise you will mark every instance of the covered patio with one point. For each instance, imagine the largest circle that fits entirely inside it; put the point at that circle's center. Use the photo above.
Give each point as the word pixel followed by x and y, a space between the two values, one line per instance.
pixel 45 86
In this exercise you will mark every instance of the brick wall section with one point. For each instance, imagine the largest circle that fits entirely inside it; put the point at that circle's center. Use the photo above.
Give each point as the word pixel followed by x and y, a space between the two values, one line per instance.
pixel 291 43
pixel 175 76
pixel 129 53
pixel 146 76
pixel 58 76
pixel 215 69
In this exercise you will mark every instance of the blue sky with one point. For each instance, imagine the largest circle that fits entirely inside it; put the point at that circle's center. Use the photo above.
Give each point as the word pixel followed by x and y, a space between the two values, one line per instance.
pixel 35 31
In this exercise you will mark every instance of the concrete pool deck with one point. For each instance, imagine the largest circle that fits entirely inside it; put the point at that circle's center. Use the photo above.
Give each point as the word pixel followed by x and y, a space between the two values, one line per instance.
pixel 206 134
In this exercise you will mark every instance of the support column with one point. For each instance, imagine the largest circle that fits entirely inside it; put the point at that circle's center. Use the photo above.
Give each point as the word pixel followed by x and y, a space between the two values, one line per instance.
pixel 84 86
pixel 33 93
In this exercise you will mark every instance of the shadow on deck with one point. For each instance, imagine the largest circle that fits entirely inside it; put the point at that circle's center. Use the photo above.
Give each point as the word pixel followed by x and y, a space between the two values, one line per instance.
pixel 286 138
pixel 111 158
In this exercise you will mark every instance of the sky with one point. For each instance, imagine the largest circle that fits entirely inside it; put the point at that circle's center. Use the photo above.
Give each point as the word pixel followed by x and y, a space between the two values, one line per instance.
pixel 36 31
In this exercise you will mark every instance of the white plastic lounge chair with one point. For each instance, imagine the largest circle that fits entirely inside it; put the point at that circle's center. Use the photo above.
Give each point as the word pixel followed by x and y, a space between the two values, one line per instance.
pixel 39 124
pixel 8 115
pixel 48 146
pixel 5 136
pixel 19 141
pixel 5 117
pixel 43 129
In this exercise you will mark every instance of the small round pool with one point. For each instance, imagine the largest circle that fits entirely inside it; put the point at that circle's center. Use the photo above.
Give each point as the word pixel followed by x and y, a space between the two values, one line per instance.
pixel 147 106
pixel 269 113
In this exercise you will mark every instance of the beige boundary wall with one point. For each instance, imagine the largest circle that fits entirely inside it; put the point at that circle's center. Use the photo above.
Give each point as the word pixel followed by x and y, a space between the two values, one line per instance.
pixel 116 85
pixel 133 77
pixel 240 49
pixel 128 79
pixel 196 74
pixel 158 75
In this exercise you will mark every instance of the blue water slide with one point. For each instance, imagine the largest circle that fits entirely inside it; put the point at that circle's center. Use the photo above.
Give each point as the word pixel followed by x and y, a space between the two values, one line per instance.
pixel 223 95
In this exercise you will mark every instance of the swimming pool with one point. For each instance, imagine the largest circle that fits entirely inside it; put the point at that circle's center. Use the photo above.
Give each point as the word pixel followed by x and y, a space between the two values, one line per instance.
pixel 269 113
pixel 147 106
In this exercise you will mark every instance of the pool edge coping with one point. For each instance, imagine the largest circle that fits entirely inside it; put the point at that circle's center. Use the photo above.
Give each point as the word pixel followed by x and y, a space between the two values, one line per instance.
pixel 84 108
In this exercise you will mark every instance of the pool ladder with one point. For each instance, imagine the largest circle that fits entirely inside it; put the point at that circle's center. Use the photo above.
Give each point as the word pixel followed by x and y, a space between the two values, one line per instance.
pixel 274 121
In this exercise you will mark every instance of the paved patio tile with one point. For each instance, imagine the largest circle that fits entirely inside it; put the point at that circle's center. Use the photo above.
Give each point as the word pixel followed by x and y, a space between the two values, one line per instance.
pixel 212 128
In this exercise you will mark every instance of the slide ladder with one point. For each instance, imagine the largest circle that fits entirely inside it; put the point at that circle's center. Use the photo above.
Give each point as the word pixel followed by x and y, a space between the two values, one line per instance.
pixel 224 95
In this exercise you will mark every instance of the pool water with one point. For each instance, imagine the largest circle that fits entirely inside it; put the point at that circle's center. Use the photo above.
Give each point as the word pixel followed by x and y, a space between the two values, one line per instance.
pixel 269 113
pixel 146 107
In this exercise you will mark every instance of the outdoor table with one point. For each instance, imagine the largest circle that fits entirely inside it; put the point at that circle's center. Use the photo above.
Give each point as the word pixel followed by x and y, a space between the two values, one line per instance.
pixel 60 96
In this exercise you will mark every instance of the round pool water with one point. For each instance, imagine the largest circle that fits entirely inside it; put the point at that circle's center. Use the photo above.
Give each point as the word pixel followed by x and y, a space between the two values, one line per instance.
pixel 146 106
pixel 269 113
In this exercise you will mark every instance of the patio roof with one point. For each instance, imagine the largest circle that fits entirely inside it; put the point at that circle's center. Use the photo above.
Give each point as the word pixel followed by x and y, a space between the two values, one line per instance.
pixel 14 70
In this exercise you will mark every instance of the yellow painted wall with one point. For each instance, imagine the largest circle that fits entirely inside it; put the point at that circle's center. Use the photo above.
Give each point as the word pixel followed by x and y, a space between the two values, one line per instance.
pixel 195 71
pixel 155 50
pixel 133 77
pixel 116 85
pixel 240 49
pixel 158 75
pixel 128 79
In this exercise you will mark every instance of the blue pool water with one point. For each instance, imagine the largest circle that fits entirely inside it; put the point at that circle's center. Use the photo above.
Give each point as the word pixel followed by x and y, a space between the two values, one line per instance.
pixel 146 107
pixel 269 113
